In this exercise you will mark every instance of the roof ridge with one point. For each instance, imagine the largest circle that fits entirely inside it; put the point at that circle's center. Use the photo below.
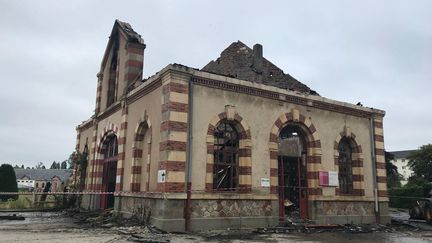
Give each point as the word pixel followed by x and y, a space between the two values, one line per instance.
pixel 233 61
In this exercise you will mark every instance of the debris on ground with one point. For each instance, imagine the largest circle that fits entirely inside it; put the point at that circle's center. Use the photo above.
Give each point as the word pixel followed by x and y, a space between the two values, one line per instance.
pixel 11 217
pixel 347 228
pixel 132 228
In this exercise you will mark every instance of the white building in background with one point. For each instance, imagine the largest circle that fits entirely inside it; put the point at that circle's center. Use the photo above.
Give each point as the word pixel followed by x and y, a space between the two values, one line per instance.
pixel 36 179
pixel 401 161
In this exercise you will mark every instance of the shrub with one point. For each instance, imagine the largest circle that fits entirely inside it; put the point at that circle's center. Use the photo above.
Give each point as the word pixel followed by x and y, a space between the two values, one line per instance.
pixel 8 182
pixel 406 196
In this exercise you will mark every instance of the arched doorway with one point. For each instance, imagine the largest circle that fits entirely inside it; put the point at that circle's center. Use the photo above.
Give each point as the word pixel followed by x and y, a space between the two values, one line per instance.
pixel 109 162
pixel 292 163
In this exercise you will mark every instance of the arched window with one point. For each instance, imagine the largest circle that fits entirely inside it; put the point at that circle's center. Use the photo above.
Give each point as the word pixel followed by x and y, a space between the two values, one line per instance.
pixel 110 152
pixel 111 94
pixel 37 184
pixel 226 148
pixel 345 166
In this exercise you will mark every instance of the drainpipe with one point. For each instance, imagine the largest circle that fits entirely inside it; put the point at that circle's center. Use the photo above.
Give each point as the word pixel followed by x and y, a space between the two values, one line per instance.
pixel 374 172
pixel 187 210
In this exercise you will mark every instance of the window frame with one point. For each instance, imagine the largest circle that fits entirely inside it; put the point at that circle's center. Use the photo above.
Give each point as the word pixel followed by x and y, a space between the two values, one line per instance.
pixel 345 163
pixel 226 157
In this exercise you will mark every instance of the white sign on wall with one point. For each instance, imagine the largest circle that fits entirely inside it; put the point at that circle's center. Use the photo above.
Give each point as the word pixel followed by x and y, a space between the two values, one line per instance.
pixel 333 178
pixel 265 182
pixel 161 176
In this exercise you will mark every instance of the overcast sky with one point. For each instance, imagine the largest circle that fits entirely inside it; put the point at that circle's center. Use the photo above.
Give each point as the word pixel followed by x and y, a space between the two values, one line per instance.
pixel 376 52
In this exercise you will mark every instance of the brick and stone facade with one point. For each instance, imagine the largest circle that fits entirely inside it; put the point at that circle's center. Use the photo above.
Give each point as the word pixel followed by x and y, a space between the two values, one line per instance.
pixel 165 128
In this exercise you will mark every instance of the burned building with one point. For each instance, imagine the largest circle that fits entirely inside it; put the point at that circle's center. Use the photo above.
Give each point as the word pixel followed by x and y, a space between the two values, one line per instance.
pixel 238 143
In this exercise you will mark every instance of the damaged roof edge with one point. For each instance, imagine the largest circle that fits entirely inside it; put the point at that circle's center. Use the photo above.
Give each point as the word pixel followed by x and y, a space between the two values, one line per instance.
pixel 208 75
pixel 126 30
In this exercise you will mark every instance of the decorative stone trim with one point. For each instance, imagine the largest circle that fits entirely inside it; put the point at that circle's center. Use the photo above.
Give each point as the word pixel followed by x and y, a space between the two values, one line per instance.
pixel 99 93
pixel 245 150
pixel 313 142
pixel 143 126
pixel 380 159
pixel 109 111
pixel 237 88
pixel 91 167
pixel 121 148
pixel 133 65
pixel 109 128
pixel 144 91
pixel 97 172
pixel 357 162
pixel 173 130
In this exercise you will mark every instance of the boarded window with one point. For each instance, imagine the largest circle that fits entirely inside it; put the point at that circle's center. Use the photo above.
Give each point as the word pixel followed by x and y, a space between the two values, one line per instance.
pixel 226 148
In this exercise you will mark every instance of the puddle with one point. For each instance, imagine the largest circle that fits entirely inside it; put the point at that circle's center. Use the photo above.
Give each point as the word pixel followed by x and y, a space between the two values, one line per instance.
pixel 36 217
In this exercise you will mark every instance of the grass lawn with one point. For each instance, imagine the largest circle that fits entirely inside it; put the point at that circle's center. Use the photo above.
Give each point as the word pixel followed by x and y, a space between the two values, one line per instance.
pixel 25 202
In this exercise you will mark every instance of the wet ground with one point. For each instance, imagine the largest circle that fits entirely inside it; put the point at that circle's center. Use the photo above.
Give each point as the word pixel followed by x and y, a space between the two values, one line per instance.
pixel 59 227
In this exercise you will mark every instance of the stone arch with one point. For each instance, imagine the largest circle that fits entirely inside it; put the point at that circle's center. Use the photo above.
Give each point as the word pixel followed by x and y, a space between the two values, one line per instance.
pixel 99 163
pixel 245 150
pixel 103 137
pixel 142 129
pixel 357 161
pixel 109 128
pixel 313 144
pixel 97 166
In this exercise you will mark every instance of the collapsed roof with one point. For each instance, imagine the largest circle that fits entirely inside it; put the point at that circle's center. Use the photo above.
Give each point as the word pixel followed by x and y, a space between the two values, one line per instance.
pixel 241 62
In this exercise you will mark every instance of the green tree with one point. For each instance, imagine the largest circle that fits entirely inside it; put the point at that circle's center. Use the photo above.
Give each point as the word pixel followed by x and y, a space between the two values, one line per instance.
pixel 8 182
pixel 63 165
pixel 54 165
pixel 420 162
pixel 393 176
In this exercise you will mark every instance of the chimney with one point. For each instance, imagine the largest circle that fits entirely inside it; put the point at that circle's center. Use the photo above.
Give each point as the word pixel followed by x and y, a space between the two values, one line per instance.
pixel 257 61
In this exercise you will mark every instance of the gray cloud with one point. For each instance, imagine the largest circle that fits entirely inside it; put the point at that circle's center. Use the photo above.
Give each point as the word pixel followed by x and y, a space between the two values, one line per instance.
pixel 379 53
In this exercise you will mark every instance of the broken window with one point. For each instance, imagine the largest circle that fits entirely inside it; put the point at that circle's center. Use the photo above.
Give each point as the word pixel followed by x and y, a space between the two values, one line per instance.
pixel 345 167
pixel 226 147
pixel 111 94
pixel 111 151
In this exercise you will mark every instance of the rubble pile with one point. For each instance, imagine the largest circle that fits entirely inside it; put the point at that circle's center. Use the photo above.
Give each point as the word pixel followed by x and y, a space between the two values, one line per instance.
pixel 131 228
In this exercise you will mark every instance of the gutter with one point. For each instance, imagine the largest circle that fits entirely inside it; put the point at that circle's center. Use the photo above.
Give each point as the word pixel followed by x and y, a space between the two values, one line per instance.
pixel 374 172
pixel 187 209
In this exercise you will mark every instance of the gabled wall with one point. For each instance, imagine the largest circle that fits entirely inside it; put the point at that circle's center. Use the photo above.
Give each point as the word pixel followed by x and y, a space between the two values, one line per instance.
pixel 121 66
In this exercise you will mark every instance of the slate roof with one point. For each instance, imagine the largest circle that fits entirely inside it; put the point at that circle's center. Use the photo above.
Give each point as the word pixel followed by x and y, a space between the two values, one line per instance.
pixel 43 174
pixel 403 154
pixel 237 61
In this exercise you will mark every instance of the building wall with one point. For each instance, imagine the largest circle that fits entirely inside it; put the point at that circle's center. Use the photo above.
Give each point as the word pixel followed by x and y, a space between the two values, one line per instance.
pixel 165 109
pixel 260 114
pixel 148 108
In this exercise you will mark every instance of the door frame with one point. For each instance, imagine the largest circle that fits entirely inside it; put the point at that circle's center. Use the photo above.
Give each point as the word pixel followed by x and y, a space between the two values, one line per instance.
pixel 303 189
pixel 106 168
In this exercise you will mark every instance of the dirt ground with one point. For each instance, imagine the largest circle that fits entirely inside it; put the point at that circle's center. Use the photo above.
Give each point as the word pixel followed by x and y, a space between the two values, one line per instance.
pixel 59 227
